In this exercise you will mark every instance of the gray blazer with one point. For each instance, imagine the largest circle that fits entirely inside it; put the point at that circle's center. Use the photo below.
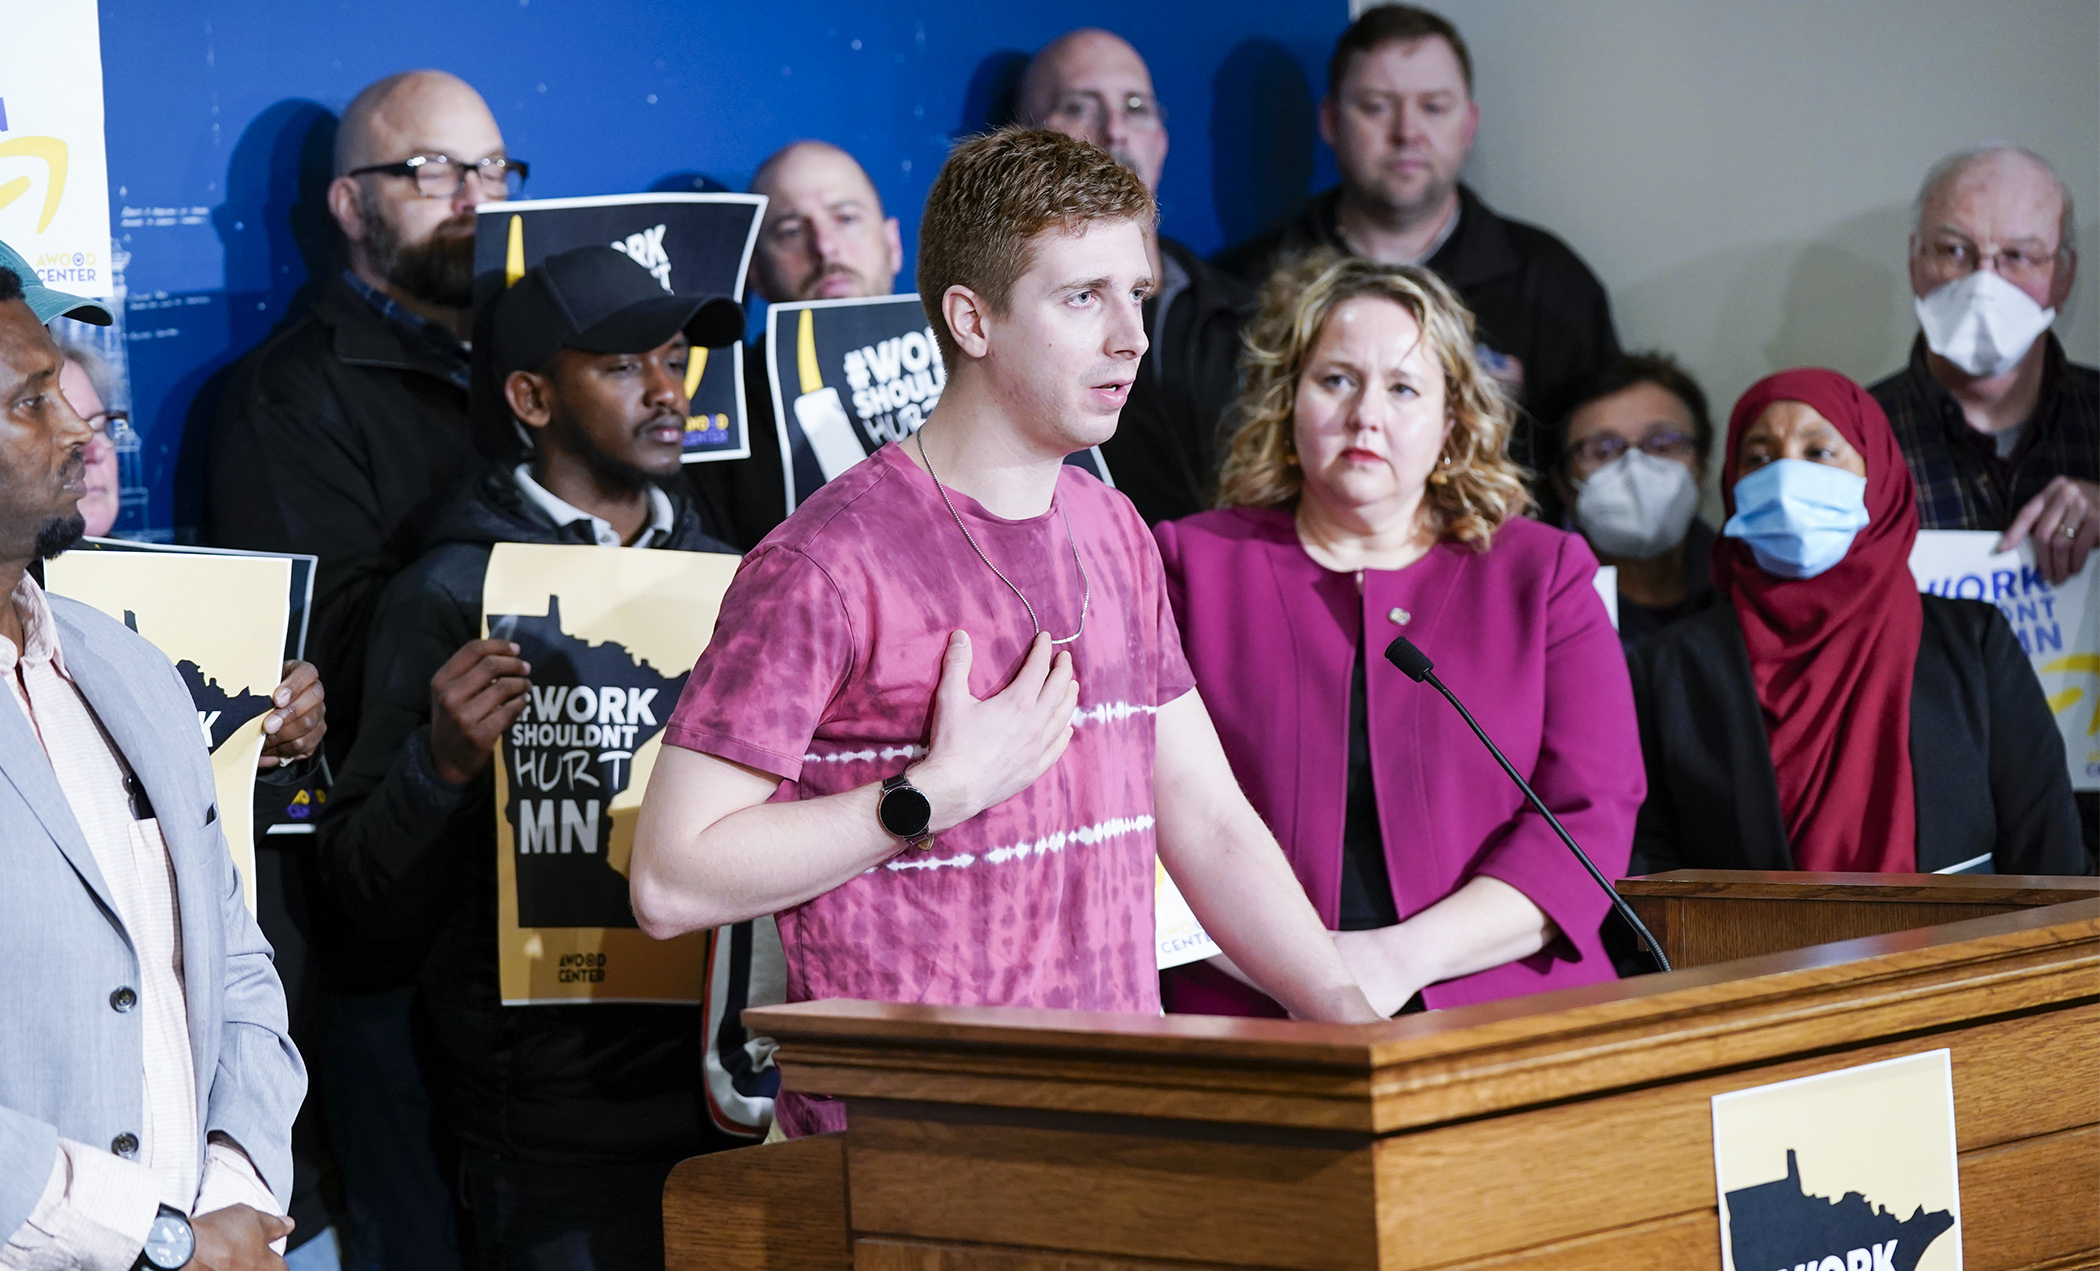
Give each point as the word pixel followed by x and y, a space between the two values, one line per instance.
pixel 70 1062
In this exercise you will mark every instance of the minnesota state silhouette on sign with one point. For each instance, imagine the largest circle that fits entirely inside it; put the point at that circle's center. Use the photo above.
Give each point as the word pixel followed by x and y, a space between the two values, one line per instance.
pixel 611 634
pixel 1852 1170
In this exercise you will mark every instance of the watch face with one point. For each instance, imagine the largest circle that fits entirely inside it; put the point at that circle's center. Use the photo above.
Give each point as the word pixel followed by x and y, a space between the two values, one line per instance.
pixel 905 812
pixel 169 1242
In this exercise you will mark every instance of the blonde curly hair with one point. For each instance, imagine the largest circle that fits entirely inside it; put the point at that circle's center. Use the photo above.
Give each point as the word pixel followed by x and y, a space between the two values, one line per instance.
pixel 1482 486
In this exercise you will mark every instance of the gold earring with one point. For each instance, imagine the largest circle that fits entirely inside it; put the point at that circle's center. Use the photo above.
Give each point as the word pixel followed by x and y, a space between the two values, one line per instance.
pixel 1441 475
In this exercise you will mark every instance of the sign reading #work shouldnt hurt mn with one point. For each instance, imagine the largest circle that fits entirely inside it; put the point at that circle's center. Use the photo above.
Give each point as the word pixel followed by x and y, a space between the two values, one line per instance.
pixel 611 633
pixel 1852 1170
pixel 694 244
pixel 2058 626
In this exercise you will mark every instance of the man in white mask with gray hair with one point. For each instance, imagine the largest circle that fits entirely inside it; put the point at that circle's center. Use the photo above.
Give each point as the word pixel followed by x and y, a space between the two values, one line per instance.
pixel 2001 430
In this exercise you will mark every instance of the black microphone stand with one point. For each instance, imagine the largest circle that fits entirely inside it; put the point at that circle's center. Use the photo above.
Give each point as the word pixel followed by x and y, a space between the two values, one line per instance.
pixel 1415 665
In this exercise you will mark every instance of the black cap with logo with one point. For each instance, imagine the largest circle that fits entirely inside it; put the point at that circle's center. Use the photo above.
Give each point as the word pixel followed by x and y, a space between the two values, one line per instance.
pixel 596 300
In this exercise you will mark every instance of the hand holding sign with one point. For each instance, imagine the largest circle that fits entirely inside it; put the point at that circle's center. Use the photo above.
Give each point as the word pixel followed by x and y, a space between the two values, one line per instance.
pixel 2064 521
pixel 298 720
pixel 479 692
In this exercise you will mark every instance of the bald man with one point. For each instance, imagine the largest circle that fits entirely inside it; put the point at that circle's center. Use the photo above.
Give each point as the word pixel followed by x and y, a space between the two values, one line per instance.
pixel 2002 431
pixel 824 237
pixel 1092 85
pixel 339 437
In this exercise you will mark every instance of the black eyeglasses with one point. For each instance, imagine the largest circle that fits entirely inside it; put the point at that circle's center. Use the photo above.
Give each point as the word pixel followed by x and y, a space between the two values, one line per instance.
pixel 441 177
pixel 1598 449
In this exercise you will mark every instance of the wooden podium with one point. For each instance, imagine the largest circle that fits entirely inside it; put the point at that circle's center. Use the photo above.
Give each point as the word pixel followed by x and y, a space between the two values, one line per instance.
pixel 1568 1130
pixel 1702 916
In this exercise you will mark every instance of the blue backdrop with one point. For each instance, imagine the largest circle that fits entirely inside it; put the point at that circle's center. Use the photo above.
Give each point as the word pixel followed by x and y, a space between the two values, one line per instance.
pixel 221 114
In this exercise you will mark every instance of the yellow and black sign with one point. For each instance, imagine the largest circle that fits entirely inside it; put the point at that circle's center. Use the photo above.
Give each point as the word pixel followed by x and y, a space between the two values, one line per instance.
pixel 611 634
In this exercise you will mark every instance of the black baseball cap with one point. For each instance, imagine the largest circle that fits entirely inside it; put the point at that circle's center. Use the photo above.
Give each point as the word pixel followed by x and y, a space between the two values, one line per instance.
pixel 597 300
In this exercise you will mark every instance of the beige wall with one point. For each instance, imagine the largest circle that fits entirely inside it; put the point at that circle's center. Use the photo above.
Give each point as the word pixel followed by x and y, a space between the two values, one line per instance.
pixel 1740 174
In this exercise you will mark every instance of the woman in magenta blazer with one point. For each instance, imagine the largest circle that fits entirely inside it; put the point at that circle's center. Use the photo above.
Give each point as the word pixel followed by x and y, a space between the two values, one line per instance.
pixel 1367 494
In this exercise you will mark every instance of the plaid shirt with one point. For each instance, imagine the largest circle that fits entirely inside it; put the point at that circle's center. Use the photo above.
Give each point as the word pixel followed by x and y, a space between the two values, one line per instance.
pixel 434 339
pixel 1962 483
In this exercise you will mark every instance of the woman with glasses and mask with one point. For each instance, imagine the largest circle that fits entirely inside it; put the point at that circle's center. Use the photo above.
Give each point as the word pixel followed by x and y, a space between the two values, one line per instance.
pixel 1367 494
pixel 1825 715
pixel 1630 472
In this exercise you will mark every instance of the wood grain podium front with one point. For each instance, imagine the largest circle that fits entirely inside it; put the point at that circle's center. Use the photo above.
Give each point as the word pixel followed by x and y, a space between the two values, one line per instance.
pixel 1568 1130
pixel 1702 916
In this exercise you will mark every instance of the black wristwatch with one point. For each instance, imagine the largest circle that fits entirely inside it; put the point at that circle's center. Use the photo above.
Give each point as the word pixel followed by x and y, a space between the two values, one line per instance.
pixel 169 1242
pixel 905 811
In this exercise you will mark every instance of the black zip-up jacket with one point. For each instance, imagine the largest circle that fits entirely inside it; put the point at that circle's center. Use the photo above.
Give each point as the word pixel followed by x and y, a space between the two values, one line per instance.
pixel 338 438
pixel 410 863
pixel 1531 294
pixel 1170 439
pixel 1986 761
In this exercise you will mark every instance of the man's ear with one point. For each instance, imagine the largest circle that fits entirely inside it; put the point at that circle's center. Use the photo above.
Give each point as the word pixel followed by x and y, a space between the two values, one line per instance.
pixel 531 398
pixel 968 320
pixel 342 204
pixel 1329 124
pixel 893 238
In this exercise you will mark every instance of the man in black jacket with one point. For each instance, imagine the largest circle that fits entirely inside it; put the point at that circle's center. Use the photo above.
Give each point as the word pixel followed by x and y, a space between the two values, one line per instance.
pixel 565 1119
pixel 1092 85
pixel 342 434
pixel 1401 118
pixel 338 437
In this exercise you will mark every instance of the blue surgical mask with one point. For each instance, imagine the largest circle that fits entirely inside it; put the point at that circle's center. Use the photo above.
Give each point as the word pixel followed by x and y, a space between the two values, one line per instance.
pixel 1799 518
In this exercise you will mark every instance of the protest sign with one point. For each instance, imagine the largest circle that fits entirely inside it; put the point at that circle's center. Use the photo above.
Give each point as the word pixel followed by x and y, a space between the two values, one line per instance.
pixel 2058 626
pixel 1853 1169
pixel 54 180
pixel 282 807
pixel 695 244
pixel 850 376
pixel 179 601
pixel 611 634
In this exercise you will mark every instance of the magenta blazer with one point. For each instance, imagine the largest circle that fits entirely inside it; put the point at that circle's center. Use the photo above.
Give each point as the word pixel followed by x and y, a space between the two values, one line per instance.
pixel 1518 632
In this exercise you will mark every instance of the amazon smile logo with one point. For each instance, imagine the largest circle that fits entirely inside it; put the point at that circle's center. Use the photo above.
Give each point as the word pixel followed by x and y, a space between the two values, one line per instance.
pixel 52 153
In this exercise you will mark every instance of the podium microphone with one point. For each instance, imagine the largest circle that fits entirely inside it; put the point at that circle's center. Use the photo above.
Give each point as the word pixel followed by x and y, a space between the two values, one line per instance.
pixel 1415 665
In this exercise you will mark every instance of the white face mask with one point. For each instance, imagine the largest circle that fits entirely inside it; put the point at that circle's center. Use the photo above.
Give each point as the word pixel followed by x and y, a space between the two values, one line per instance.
pixel 1981 323
pixel 1637 506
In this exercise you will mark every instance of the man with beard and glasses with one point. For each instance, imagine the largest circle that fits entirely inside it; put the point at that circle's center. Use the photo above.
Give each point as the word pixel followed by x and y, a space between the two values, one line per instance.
pixel 1401 119
pixel 339 437
pixel 1093 85
pixel 147 1084
pixel 824 237
pixel 565 1120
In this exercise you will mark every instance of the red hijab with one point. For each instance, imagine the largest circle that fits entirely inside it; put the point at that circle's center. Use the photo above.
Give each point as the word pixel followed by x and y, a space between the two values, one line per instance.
pixel 1832 656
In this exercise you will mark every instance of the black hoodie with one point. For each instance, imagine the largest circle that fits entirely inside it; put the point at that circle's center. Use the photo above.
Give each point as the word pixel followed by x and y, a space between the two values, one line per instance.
pixel 409 861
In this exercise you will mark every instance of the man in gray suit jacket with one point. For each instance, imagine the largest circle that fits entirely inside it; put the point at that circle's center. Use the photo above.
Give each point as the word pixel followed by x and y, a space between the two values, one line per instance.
pixel 147 1085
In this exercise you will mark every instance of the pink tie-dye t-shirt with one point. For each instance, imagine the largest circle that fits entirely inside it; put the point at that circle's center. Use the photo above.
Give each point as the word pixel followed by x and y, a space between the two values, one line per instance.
pixel 822 670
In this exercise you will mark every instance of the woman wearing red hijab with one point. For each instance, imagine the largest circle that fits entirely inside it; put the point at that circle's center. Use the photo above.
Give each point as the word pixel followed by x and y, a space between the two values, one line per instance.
pixel 1828 716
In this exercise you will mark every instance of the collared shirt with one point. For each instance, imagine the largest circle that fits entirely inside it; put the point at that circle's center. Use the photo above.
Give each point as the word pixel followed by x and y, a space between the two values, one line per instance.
pixel 1962 482
pixel 432 338
pixel 97 1205
pixel 662 518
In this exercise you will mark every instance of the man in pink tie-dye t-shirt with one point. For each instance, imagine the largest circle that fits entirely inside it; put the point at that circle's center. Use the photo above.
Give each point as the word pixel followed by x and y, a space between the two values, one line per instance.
pixel 966 617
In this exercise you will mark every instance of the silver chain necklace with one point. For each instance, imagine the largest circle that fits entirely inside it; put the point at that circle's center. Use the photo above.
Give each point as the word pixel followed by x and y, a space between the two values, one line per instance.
pixel 1087 598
